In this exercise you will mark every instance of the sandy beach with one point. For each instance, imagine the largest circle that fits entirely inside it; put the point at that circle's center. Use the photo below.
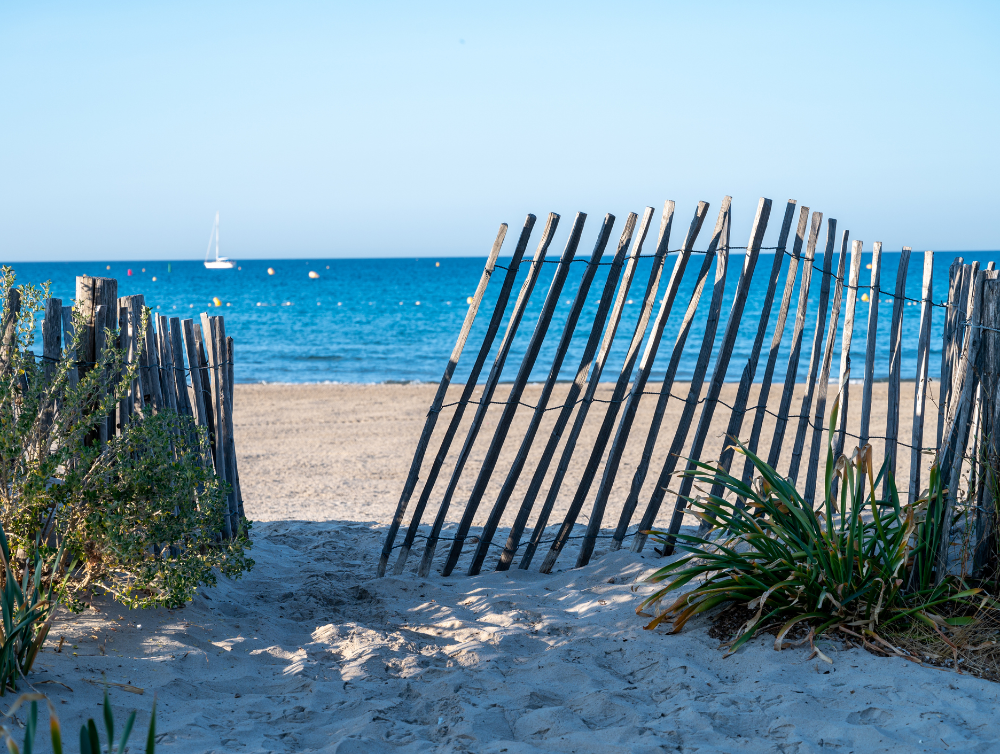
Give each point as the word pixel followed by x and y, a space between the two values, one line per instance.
pixel 309 652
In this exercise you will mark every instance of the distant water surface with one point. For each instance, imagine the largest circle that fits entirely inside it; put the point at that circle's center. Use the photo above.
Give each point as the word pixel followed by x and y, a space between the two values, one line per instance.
pixel 385 320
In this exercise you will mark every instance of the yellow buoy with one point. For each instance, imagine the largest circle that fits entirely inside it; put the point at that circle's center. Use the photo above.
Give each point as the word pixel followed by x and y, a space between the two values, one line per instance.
pixel 313 274
pixel 154 278
pixel 270 270
pixel 468 299
pixel 864 296
pixel 437 264
pixel 216 301
pixel 108 267
pixel 869 266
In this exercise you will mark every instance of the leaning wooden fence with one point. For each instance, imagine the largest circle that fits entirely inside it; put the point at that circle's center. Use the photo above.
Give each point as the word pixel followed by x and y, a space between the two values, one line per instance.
pixel 970 364
pixel 184 366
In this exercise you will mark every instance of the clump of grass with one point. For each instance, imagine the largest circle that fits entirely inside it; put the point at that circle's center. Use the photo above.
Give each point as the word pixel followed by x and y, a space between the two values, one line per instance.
pixel 90 740
pixel 848 564
pixel 27 609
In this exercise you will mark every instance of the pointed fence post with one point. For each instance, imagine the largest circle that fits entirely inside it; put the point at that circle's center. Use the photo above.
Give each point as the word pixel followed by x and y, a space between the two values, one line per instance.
pixel 491 384
pixel 895 368
pixel 435 409
pixel 619 395
pixel 592 363
pixel 920 386
pixel 715 385
pixel 823 384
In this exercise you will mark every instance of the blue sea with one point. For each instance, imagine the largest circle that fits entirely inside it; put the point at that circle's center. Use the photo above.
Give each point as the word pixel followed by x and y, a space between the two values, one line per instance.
pixel 396 320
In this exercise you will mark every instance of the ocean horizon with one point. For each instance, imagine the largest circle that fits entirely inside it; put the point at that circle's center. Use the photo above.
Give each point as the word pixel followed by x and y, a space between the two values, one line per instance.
pixel 395 320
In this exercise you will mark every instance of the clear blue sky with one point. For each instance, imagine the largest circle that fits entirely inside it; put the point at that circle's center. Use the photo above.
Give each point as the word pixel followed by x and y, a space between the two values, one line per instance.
pixel 380 129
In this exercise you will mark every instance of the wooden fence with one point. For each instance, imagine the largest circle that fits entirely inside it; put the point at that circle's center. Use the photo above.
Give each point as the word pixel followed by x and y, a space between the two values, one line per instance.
pixel 798 244
pixel 163 377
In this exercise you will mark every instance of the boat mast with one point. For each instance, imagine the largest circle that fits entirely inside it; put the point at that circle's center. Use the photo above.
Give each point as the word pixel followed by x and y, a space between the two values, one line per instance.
pixel 216 235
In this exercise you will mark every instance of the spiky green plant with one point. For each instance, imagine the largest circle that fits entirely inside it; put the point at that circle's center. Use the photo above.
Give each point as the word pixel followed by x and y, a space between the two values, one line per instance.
pixel 844 564
pixel 90 741
pixel 27 609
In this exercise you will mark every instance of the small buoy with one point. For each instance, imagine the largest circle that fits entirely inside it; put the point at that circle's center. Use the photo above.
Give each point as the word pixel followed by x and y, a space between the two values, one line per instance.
pixel 227 304
pixel 629 301
pixel 328 267
pixel 338 303
pixel 168 268
pixel 130 273
pixel 270 270
pixel 108 267
pixel 313 274
pixel 869 265
pixel 216 301
pixel 437 264
pixel 418 303
pixel 154 278
pixel 143 269
pixel 864 296
pixel 468 299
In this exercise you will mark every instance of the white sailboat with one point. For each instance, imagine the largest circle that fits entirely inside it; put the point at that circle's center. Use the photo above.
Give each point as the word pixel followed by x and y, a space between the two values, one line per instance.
pixel 219 263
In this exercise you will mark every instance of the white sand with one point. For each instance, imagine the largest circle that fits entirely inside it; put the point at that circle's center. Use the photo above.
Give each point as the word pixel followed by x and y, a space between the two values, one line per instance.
pixel 309 652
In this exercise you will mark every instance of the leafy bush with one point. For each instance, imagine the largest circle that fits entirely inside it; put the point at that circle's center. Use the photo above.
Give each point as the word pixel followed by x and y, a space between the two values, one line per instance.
pixel 848 564
pixel 90 741
pixel 142 512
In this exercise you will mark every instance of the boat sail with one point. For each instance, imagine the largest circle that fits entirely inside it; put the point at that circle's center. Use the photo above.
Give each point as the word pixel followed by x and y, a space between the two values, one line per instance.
pixel 219 263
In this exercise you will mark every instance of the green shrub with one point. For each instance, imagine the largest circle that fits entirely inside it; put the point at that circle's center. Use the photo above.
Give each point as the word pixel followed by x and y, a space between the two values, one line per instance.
pixel 846 564
pixel 142 513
